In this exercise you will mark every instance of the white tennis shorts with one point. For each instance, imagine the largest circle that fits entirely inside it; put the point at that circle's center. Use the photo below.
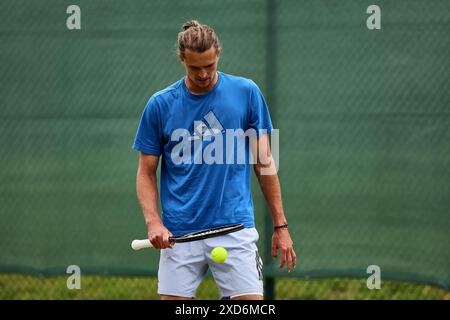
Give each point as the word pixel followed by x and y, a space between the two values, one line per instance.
pixel 182 268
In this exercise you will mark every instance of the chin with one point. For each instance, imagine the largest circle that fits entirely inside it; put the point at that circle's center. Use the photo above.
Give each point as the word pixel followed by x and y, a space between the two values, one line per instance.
pixel 203 85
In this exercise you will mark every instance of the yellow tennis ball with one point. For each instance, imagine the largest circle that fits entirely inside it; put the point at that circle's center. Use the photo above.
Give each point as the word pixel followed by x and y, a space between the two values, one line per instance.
pixel 219 254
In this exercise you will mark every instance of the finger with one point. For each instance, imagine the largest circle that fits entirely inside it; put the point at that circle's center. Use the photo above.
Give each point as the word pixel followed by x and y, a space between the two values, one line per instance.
pixel 288 261
pixel 171 243
pixel 153 237
pixel 294 258
pixel 155 244
pixel 167 244
pixel 165 241
pixel 159 242
pixel 274 251
pixel 283 257
pixel 153 241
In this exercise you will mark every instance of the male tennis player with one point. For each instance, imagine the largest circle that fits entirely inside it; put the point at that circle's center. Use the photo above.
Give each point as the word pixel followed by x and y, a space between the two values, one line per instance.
pixel 178 125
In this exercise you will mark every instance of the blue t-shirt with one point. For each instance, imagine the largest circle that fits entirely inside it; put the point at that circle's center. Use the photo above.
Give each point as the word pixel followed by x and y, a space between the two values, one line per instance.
pixel 199 190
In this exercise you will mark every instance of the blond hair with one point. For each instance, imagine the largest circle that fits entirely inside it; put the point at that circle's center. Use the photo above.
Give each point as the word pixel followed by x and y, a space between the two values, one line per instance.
pixel 196 37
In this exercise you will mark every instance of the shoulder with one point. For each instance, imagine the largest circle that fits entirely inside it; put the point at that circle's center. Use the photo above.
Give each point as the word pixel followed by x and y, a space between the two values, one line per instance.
pixel 168 94
pixel 239 82
pixel 165 96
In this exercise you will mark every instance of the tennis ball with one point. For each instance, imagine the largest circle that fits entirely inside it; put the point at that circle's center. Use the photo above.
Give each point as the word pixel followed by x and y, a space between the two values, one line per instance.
pixel 219 254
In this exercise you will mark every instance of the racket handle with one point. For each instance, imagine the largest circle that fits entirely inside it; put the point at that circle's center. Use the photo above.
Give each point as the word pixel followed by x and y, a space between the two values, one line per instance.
pixel 141 244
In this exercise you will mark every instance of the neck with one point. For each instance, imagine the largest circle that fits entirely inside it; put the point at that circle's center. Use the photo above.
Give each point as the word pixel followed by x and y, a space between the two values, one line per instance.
pixel 200 90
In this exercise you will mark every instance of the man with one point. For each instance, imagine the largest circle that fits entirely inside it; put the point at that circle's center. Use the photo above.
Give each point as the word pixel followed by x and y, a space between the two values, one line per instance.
pixel 197 193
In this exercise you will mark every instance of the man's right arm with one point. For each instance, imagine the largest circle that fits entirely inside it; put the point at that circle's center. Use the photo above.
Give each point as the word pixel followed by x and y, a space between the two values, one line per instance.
pixel 147 193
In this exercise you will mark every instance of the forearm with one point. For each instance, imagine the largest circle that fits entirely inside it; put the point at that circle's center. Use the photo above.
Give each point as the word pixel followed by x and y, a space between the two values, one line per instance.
pixel 281 239
pixel 147 193
pixel 271 190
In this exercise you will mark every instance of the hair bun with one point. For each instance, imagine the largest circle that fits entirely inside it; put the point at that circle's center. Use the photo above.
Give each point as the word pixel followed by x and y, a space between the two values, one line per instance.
pixel 189 24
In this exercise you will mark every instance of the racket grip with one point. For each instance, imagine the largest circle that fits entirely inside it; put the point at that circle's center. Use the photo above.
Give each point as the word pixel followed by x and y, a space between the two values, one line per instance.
pixel 141 244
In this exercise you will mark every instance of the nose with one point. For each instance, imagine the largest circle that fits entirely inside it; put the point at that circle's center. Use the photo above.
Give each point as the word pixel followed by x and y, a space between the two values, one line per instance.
pixel 203 74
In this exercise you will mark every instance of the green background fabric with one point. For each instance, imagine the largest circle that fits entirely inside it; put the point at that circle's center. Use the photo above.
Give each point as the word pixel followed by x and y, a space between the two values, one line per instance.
pixel 363 118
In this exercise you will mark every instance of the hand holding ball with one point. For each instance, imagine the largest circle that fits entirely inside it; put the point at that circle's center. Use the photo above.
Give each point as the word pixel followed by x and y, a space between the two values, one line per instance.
pixel 219 254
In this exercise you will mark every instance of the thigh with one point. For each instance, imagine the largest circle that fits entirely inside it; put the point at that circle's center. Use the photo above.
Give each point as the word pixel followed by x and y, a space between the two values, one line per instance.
pixel 241 273
pixel 181 270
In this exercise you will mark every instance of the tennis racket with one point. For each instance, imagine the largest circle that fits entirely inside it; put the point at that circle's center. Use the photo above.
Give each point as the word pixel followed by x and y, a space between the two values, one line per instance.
pixel 199 235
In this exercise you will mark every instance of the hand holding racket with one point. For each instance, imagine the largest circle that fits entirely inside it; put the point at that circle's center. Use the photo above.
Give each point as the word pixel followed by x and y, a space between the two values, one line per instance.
pixel 199 235
pixel 159 235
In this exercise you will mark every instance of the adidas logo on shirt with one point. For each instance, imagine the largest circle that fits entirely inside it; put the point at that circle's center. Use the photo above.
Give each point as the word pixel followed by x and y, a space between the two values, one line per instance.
pixel 210 126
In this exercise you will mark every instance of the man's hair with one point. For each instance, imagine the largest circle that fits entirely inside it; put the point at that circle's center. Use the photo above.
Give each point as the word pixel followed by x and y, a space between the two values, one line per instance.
pixel 196 37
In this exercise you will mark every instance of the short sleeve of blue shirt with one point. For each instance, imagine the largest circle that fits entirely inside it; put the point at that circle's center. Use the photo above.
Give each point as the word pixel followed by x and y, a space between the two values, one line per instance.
pixel 148 136
pixel 259 113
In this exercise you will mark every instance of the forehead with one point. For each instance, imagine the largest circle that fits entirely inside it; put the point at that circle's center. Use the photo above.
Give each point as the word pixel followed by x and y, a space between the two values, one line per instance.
pixel 200 59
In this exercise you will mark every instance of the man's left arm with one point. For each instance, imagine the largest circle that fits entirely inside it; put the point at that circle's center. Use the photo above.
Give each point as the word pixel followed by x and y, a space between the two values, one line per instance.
pixel 265 170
